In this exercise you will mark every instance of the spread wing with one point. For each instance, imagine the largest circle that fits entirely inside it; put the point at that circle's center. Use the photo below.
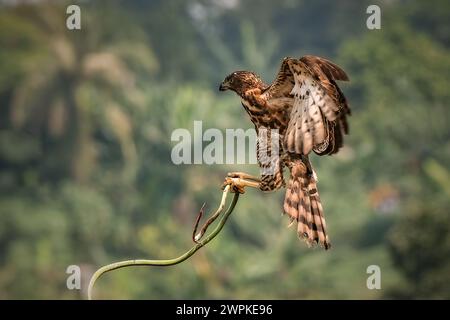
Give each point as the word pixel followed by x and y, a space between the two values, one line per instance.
pixel 321 65
pixel 317 120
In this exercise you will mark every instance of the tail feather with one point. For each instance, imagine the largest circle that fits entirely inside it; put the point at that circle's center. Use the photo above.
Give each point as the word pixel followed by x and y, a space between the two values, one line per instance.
pixel 309 218
pixel 302 223
pixel 319 221
pixel 302 204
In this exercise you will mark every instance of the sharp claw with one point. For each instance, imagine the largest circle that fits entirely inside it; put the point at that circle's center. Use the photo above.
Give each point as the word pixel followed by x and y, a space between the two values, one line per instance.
pixel 240 190
pixel 234 187
pixel 226 183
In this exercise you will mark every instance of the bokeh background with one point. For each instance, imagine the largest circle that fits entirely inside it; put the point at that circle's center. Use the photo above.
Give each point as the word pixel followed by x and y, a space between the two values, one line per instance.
pixel 86 176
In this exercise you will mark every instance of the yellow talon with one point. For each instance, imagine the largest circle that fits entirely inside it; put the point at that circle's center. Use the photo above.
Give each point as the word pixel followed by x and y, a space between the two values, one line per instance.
pixel 239 184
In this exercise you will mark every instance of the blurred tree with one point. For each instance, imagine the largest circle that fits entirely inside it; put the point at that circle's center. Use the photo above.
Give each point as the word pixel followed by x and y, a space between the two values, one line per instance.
pixel 420 247
pixel 400 99
pixel 62 93
pixel 86 176
pixel 68 102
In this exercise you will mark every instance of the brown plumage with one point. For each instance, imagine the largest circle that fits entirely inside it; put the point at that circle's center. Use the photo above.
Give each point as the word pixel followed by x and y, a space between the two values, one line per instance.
pixel 309 110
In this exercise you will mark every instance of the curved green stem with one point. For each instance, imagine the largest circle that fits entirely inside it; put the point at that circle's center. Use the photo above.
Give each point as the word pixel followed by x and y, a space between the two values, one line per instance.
pixel 170 262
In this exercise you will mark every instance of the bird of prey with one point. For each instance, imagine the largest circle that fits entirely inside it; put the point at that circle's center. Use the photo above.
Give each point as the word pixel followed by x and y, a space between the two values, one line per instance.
pixel 308 112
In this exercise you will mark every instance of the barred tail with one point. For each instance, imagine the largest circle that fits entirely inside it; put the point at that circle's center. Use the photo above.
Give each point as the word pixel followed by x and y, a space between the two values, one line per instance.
pixel 302 204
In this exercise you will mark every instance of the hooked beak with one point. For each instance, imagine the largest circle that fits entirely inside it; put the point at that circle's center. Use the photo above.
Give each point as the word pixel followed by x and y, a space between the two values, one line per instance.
pixel 223 87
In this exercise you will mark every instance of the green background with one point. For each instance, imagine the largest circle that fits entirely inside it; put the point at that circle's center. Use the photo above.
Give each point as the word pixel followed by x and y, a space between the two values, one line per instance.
pixel 86 176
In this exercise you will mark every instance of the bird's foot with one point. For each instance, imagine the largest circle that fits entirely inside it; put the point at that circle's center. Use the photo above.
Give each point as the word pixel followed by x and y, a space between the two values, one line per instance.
pixel 243 175
pixel 234 183
pixel 239 184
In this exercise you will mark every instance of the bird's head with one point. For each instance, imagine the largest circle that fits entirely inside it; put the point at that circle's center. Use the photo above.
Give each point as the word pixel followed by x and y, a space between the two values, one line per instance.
pixel 241 81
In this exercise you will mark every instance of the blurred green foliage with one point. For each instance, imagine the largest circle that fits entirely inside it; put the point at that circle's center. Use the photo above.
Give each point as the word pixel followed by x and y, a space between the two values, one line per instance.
pixel 85 171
